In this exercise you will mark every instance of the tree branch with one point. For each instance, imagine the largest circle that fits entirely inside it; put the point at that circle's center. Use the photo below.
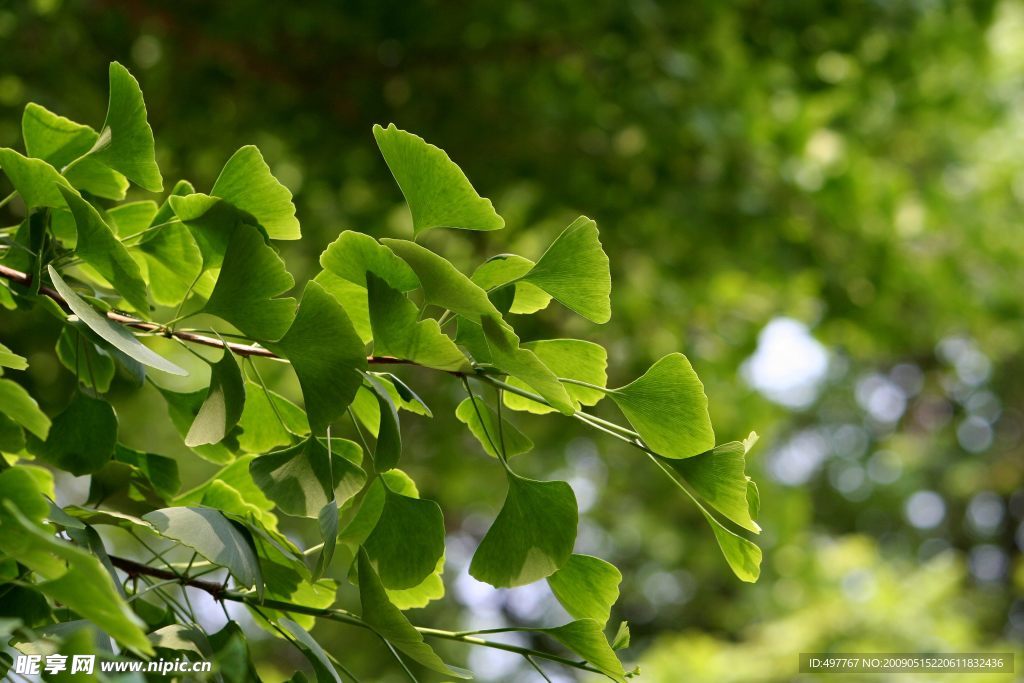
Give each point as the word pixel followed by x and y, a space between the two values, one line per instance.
pixel 218 592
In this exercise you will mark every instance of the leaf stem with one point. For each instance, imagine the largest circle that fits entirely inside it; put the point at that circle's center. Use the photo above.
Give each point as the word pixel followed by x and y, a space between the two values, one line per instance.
pixel 8 198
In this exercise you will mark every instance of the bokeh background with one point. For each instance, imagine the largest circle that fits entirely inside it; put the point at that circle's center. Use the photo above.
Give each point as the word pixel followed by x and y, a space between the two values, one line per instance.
pixel 819 203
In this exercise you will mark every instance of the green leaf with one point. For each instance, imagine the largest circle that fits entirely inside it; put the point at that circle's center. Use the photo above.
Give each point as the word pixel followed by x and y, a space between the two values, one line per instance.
pixel 251 275
pixel 568 359
pixel 505 269
pixel 326 354
pixel 316 655
pixel 231 653
pixel 114 334
pixel 587 587
pixel 35 180
pixel 99 248
pixel 586 638
pixel 719 478
pixel 17 404
pixel 262 418
pixel 214 536
pixel 423 593
pixel 72 577
pixel 407 541
pixel 94 368
pixel 236 476
pixel 131 217
pixel 443 285
pixel 246 182
pixel 182 409
pixel 82 437
pixel 353 255
pixel 531 538
pixel 59 141
pixel 743 556
pixel 398 332
pixel 160 471
pixel 388 449
pixel 486 430
pixel 299 479
pixel 386 619
pixel 172 261
pixel 574 270
pixel 9 359
pixel 438 193
pixel 126 140
pixel 362 523
pixel 622 637
pixel 669 409
pixel 12 436
pixel 223 406
pixel 509 357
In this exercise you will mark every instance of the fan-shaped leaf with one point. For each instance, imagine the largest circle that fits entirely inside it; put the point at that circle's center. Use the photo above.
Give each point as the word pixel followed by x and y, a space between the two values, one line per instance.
pixel 35 180
pixel 82 437
pixel 314 652
pixel 718 477
pixel 326 353
pixel 574 270
pixel 112 333
pixel 353 255
pixel 98 247
pixel 586 638
pixel 398 332
pixel 126 140
pixel 19 406
pixel 531 538
pixel 669 409
pixel 509 357
pixel 568 359
pixel 504 269
pixel 407 541
pixel 483 424
pixel 386 619
pixel 437 191
pixel 268 420
pixel 247 182
pixel 443 285
pixel 223 405
pixel 9 359
pixel 301 480
pixel 587 587
pixel 743 556
pixel 213 536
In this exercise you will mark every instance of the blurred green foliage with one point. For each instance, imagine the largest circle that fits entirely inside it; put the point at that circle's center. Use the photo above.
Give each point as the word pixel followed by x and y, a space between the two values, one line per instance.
pixel 855 168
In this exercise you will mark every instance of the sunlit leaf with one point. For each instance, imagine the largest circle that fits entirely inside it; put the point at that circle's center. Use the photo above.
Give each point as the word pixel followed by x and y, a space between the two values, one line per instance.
pixel 114 334
pixel 223 405
pixel 438 193
pixel 443 285
pixel 299 479
pixel 247 182
pixel 507 269
pixel 314 652
pixel 126 140
pixel 719 478
pixel 569 359
pixel 587 587
pixel 531 538
pixel 388 449
pixel 743 556
pixel 574 270
pixel 326 354
pixel 9 359
pixel 36 181
pixel 82 437
pixel 482 421
pixel 407 541
pixel 269 420
pixel 586 638
pixel 508 356
pixel 668 408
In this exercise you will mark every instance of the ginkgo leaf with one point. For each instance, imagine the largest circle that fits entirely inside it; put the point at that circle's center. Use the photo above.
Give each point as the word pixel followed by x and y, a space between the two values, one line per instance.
pixel 76 352
pixel 574 270
pixel 483 424
pixel 99 248
pixel 398 332
pixel 82 437
pixel 568 359
pixel 9 359
pixel 301 480
pixel 268 420
pixel 59 141
pixel 389 622
pixel 131 217
pixel 17 404
pixel 223 406
pixel 531 538
pixel 506 270
pixel 443 285
pixel 586 587
pixel 169 254
pixel 326 354
pixel 36 181
pixel 112 333
pixel 407 541
pixel 509 357
pixel 354 254
pixel 437 191
pixel 719 478
pixel 247 182
pixel 126 140
pixel 743 556
pixel 215 537
pixel 388 449
pixel 251 276
pixel 668 408
pixel 586 638
pixel 314 652
pixel 423 593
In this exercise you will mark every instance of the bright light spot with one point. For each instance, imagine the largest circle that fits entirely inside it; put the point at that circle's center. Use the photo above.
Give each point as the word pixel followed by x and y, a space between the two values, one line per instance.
pixel 798 459
pixel 974 434
pixel 988 562
pixel 985 513
pixel 788 365
pixel 925 509
pixel 882 398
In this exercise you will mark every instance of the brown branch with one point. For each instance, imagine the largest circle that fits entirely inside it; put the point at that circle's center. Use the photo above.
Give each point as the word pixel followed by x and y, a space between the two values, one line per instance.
pixel 162 330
